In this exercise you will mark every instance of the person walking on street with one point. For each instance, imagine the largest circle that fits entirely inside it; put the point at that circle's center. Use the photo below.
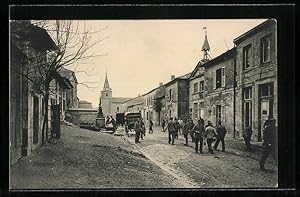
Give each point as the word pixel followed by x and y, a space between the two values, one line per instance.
pixel 163 124
pixel 150 126
pixel 171 130
pixel 210 132
pixel 138 130
pixel 247 132
pixel 221 132
pixel 191 126
pixel 176 128
pixel 198 131
pixel 270 142
pixel 143 132
pixel 185 131
pixel 114 124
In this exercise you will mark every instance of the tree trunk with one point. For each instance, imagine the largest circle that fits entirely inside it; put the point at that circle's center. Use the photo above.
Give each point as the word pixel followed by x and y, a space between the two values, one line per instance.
pixel 45 122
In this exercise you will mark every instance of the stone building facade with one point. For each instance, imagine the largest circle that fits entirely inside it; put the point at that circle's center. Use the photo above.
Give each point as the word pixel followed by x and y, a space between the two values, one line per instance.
pixel 177 97
pixel 149 112
pixel 26 96
pixel 197 86
pixel 256 64
pixel 219 89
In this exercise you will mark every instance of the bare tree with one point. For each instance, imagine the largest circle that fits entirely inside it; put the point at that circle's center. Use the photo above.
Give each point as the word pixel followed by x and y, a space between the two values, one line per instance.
pixel 72 42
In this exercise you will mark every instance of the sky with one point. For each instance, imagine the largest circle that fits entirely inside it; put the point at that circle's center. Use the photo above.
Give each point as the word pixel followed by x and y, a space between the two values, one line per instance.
pixel 139 54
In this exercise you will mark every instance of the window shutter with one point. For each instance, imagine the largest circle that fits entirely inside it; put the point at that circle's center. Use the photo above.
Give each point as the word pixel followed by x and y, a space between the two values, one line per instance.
pixel 261 51
pixel 214 79
pixel 223 76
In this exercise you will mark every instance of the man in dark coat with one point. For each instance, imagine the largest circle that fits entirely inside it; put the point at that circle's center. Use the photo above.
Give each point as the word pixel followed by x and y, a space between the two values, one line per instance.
pixel 150 126
pixel 221 132
pixel 177 127
pixel 114 123
pixel 163 122
pixel 247 132
pixel 138 130
pixel 171 130
pixel 270 141
pixel 198 131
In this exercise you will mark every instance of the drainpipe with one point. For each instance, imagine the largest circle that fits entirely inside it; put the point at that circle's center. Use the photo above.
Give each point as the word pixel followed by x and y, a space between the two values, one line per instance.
pixel 234 94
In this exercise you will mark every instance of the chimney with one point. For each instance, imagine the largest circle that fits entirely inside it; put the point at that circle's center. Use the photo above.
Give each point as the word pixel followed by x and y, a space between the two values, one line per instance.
pixel 160 84
pixel 172 77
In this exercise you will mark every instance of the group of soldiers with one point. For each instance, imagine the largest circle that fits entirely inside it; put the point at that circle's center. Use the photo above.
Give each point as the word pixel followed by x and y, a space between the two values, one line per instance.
pixel 206 134
pixel 198 132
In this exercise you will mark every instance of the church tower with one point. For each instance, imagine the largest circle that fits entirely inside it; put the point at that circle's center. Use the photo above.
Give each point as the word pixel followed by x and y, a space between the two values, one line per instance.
pixel 106 98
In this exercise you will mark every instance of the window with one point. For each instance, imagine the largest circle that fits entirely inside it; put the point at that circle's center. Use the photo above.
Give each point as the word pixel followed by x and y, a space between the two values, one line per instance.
pixel 195 110
pixel 118 109
pixel 218 78
pixel 247 106
pixel 106 94
pixel 201 86
pixel 248 93
pixel 170 94
pixel 266 90
pixel 265 49
pixel 246 56
pixel 195 87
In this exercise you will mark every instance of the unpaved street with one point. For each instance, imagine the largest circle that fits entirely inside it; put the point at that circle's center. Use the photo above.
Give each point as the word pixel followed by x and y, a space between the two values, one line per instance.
pixel 89 159
pixel 234 168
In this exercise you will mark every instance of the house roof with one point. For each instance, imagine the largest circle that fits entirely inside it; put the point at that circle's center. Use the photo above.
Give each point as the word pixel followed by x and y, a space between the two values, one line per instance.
pixel 182 77
pixel 38 37
pixel 254 30
pixel 224 56
pixel 67 73
pixel 63 81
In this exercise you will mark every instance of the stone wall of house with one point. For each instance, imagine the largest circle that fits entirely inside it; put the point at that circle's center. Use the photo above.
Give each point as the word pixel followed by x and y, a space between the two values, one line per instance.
pixel 183 99
pixel 257 74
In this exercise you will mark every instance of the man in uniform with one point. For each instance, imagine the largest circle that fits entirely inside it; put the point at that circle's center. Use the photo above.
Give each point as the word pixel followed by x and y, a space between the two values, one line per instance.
pixel 198 131
pixel 269 143
pixel 171 130
pixel 138 130
pixel 247 132
pixel 221 132
pixel 177 127
pixel 210 133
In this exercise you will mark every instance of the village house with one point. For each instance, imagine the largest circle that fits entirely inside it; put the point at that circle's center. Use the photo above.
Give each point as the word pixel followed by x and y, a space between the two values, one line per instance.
pixel 25 90
pixel 219 90
pixel 149 112
pixel 71 94
pixel 177 97
pixel 197 85
pixel 256 65
pixel 135 105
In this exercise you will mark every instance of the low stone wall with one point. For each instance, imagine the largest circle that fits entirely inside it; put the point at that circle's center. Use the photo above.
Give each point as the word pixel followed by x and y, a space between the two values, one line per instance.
pixel 77 116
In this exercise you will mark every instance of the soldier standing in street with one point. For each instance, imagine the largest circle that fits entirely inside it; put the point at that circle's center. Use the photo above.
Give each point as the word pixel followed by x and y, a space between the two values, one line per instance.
pixel 138 130
pixel 198 131
pixel 269 144
pixel 143 132
pixel 221 132
pixel 177 127
pixel 247 132
pixel 185 131
pixel 163 124
pixel 210 133
pixel 171 130
pixel 150 126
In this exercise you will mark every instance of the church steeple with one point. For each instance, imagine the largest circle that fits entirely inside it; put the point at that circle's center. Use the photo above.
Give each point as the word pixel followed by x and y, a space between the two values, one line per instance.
pixel 205 47
pixel 106 84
